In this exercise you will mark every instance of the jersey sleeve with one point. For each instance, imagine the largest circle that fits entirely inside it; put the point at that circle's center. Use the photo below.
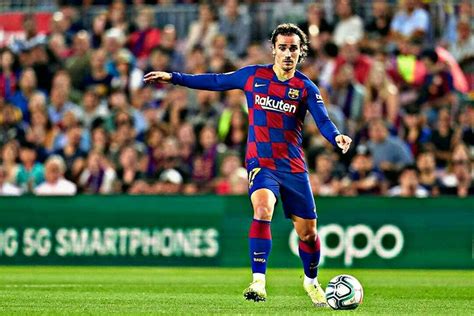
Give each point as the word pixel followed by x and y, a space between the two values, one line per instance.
pixel 320 114
pixel 214 82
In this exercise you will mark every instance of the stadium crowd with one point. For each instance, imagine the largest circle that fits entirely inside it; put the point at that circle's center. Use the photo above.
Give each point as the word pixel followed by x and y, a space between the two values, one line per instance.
pixel 75 116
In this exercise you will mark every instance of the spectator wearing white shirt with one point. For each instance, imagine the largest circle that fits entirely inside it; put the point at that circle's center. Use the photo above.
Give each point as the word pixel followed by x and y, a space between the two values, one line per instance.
pixel 409 185
pixel 411 22
pixel 7 188
pixel 350 25
pixel 55 183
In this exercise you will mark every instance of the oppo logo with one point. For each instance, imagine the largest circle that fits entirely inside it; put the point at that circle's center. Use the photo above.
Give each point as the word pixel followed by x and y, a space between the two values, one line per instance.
pixel 346 242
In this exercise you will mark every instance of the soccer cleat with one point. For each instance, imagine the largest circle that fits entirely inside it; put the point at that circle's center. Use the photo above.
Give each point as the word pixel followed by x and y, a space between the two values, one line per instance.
pixel 317 295
pixel 256 291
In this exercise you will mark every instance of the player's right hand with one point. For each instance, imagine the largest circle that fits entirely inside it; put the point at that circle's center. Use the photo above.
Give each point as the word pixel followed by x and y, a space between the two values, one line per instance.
pixel 157 76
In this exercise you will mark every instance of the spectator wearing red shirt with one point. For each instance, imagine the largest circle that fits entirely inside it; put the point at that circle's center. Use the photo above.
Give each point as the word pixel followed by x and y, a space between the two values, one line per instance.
pixel 146 37
pixel 350 54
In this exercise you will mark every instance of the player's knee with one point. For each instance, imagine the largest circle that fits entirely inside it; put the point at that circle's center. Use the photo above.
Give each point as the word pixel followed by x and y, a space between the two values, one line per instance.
pixel 308 236
pixel 263 212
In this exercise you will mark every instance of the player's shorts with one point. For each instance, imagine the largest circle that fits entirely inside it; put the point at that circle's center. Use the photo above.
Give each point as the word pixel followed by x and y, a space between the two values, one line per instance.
pixel 294 189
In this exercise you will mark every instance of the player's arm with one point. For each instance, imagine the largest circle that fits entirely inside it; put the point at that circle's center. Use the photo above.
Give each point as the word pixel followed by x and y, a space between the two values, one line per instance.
pixel 326 126
pixel 213 82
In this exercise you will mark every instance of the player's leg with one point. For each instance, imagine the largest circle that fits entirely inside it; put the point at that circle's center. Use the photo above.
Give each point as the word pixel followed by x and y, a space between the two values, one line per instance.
pixel 298 203
pixel 260 242
pixel 310 251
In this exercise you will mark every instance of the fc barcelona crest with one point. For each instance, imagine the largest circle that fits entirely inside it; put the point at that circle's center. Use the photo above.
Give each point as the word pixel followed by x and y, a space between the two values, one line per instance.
pixel 293 93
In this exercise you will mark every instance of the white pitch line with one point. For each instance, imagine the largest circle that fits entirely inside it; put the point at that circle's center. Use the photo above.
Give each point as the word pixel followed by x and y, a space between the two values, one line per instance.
pixel 50 285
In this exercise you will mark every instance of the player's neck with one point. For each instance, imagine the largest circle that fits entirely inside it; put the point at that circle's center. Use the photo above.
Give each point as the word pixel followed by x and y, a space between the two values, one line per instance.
pixel 283 75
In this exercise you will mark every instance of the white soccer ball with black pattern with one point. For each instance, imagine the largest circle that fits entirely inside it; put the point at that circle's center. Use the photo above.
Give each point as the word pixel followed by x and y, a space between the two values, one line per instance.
pixel 344 292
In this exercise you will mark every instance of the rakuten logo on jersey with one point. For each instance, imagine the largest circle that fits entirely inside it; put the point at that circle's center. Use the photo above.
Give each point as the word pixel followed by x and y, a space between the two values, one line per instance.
pixel 268 103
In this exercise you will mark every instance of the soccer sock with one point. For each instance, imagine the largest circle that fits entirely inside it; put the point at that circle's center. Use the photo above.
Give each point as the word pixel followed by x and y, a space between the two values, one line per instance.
pixel 260 244
pixel 309 254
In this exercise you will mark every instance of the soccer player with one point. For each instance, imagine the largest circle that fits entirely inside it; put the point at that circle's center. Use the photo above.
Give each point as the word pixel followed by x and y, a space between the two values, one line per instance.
pixel 278 98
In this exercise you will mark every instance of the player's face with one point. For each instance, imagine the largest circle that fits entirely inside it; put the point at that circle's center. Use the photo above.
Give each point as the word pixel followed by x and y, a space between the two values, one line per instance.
pixel 287 51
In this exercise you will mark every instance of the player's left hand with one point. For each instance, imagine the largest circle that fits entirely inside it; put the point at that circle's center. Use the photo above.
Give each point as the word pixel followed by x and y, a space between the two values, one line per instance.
pixel 343 142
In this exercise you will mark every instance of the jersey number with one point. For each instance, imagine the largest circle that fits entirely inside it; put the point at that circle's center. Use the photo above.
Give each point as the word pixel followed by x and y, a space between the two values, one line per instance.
pixel 252 175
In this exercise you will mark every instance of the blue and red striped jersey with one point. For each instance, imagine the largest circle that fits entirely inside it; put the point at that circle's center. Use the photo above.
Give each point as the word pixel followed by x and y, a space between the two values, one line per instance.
pixel 277 110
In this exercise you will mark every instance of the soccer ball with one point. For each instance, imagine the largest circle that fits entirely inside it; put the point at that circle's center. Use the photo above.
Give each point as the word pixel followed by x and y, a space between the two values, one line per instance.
pixel 344 292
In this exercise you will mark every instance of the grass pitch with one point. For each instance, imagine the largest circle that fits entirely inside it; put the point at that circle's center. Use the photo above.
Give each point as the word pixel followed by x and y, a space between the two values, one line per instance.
pixel 184 291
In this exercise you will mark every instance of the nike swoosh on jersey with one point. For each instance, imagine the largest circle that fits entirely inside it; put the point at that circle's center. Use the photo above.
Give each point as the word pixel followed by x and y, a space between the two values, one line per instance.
pixel 258 253
pixel 260 85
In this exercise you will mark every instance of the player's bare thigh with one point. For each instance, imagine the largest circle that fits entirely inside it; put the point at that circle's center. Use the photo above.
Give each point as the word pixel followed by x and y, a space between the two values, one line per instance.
pixel 263 203
pixel 305 228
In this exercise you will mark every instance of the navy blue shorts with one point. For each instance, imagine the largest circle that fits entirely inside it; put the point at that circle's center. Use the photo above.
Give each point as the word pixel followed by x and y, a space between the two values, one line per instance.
pixel 294 189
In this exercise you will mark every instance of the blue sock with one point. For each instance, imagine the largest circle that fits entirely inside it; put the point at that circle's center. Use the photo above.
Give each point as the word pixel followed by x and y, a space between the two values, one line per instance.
pixel 309 254
pixel 260 242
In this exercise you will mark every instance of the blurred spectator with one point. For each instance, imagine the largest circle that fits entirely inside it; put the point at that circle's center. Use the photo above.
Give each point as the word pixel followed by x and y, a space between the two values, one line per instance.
pixel 316 27
pixel 142 41
pixel 410 21
pixel 220 58
pixel 350 26
pixel 98 176
pixel 70 149
pixel 328 57
pixel 176 107
pixel 60 105
pixel 350 55
pixel 55 183
pixel 99 79
pixel 10 161
pixel 100 140
pixel 348 96
pixel 99 24
pixel 255 55
pixel 466 119
pixel 428 177
pixel 230 163
pixel 8 75
pixel 197 61
pixel 117 16
pixel 408 185
pixel 207 109
pixel 458 180
pixel 413 130
pixel 205 161
pixel 28 86
pixel 438 88
pixel 129 78
pixel 380 92
pixel 443 138
pixel 6 188
pixel 187 144
pixel 44 63
pixel 11 126
pixel 327 182
pixel 94 109
pixel 78 64
pixel 128 171
pixel 377 28
pixel 235 26
pixel 238 181
pixel 62 80
pixel 363 178
pixel 463 48
pixel 30 172
pixel 169 42
pixel 390 153
pixel 202 31
pixel 169 182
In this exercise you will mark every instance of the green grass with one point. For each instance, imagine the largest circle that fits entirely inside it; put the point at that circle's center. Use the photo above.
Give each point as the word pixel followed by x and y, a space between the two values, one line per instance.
pixel 184 291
